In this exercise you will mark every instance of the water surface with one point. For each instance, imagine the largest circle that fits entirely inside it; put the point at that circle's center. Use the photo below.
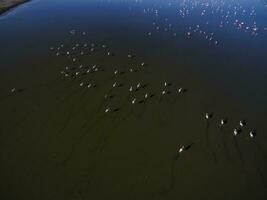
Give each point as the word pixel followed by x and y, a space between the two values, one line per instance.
pixel 57 141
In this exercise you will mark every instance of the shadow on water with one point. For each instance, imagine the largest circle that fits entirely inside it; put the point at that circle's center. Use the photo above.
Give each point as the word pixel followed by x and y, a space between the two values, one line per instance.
pixel 209 147
pixel 242 162
pixel 225 147
pixel 240 156
pixel 260 150
pixel 11 94
pixel 174 161
pixel 144 102
pixel 261 162
pixel 83 94
pixel 108 133
pixel 74 111
pixel 77 141
pixel 88 128
pixel 262 176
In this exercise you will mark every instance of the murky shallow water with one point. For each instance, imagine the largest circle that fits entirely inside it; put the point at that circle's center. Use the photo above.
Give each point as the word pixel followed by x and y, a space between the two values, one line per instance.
pixel 57 141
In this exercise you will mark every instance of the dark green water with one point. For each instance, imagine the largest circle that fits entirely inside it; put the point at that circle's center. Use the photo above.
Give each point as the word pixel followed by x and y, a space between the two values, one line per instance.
pixel 57 142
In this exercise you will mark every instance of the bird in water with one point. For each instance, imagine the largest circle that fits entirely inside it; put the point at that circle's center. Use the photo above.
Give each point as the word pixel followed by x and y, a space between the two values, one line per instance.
pixel 167 84
pixel 181 90
pixel 223 122
pixel 208 116
pixel 181 149
pixel 184 148
pixel 252 134
pixel 237 131
pixel 13 90
pixel 133 101
pixel 114 84
pixel 146 95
